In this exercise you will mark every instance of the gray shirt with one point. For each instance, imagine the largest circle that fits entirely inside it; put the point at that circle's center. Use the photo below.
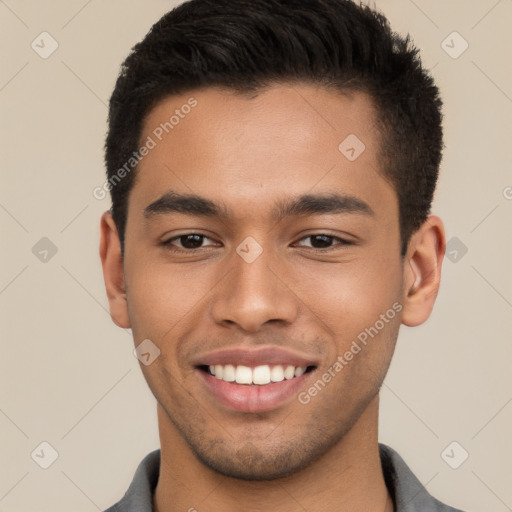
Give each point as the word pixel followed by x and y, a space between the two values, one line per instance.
pixel 406 490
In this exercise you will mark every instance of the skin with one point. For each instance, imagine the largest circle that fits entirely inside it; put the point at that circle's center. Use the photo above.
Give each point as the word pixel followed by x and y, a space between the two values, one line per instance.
pixel 247 152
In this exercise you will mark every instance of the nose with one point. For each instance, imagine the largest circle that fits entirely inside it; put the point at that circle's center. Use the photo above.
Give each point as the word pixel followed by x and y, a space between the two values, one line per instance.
pixel 254 294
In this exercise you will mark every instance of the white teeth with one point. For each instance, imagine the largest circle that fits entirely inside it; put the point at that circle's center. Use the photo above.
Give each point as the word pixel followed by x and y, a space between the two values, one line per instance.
pixel 229 374
pixel 289 373
pixel 277 374
pixel 219 370
pixel 243 375
pixel 260 375
pixel 299 371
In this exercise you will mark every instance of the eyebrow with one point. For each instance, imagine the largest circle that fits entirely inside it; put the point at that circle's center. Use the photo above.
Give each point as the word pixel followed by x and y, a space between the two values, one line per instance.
pixel 306 204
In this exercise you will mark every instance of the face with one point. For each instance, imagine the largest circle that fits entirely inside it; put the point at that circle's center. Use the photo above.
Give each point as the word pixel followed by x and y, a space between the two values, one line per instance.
pixel 254 240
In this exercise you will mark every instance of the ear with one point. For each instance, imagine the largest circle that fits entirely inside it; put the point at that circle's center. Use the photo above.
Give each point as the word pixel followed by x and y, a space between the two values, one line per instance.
pixel 113 275
pixel 422 271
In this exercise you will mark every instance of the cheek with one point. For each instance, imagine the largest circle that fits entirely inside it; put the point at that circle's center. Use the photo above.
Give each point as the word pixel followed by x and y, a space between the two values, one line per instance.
pixel 358 305
pixel 161 297
pixel 352 294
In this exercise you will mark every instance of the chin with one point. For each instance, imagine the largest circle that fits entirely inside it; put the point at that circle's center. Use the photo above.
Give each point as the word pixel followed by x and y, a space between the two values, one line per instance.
pixel 251 463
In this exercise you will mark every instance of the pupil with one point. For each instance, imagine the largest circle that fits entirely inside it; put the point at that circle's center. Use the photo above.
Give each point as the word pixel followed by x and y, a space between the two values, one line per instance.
pixel 325 241
pixel 191 241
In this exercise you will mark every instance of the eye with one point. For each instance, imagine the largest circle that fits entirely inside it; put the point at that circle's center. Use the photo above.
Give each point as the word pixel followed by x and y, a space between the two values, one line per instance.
pixel 322 241
pixel 193 241
pixel 186 242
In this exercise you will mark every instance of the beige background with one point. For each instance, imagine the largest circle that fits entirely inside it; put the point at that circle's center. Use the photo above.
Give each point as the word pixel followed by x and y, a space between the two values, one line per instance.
pixel 68 375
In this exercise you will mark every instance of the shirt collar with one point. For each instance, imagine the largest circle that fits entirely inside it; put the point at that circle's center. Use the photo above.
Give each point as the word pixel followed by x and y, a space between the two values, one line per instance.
pixel 407 491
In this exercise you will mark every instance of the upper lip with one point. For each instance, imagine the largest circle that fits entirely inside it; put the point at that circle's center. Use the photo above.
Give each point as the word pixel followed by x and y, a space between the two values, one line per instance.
pixel 269 355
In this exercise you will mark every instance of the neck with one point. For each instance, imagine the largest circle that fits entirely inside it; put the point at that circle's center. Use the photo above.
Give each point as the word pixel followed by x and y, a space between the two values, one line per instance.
pixel 348 478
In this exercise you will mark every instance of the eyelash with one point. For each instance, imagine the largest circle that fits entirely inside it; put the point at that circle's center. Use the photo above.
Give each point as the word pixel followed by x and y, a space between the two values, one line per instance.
pixel 168 243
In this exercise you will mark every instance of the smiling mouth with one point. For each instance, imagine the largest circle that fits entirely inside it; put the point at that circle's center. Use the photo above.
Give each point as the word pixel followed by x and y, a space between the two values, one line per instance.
pixel 258 375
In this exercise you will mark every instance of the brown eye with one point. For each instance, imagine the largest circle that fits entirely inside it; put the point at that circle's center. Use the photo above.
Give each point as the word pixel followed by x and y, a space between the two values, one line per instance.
pixel 186 242
pixel 323 241
pixel 191 241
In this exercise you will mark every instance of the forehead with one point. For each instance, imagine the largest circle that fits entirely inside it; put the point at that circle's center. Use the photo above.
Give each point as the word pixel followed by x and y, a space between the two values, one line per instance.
pixel 289 115
pixel 288 139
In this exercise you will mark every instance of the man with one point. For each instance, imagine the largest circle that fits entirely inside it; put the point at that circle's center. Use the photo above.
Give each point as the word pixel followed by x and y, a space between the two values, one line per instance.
pixel 272 164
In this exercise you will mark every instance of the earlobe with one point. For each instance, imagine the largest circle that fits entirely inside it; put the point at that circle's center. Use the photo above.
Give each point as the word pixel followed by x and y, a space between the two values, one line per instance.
pixel 113 275
pixel 422 271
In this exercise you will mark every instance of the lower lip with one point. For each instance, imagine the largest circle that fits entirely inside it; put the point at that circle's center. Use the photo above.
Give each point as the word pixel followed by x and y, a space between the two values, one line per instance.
pixel 253 398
